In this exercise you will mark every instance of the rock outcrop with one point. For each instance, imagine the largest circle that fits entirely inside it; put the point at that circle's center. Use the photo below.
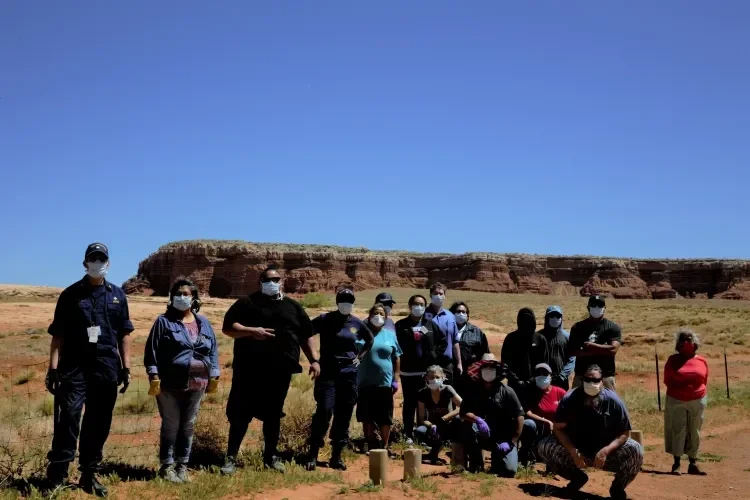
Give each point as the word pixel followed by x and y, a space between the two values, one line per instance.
pixel 232 269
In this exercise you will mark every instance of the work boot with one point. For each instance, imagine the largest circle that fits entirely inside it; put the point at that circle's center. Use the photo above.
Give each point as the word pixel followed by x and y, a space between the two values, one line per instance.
pixel 91 485
pixel 168 473
pixel 577 481
pixel 312 459
pixel 274 464
pixel 694 470
pixel 618 494
pixel 57 475
pixel 336 462
pixel 230 466
pixel 182 473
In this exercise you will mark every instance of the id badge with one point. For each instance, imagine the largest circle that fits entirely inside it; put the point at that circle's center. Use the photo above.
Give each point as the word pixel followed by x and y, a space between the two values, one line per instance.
pixel 94 332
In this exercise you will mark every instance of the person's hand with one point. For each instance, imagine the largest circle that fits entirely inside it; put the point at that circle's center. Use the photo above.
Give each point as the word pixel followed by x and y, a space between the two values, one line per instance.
pixel 578 460
pixel 482 428
pixel 445 418
pixel 52 380
pixel 504 448
pixel 314 370
pixel 123 379
pixel 262 333
pixel 394 386
pixel 601 458
pixel 356 361
pixel 460 369
pixel 550 424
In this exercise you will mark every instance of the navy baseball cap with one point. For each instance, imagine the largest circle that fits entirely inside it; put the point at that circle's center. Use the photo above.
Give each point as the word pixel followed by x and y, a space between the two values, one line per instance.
pixel 385 298
pixel 97 248
pixel 345 296
pixel 597 301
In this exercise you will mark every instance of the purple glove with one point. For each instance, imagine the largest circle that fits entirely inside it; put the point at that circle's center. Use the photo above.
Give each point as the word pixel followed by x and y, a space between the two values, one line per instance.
pixel 433 430
pixel 394 386
pixel 482 428
pixel 504 448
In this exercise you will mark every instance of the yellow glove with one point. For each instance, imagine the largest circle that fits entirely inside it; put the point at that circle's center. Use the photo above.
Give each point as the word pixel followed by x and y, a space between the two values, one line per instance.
pixel 213 385
pixel 154 388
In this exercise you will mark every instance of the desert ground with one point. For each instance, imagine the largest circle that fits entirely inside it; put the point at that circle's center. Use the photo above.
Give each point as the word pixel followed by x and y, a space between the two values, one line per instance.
pixel 648 329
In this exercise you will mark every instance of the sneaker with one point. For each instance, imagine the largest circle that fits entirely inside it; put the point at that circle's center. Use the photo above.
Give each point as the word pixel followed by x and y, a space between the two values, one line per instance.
pixel 91 485
pixel 275 465
pixel 230 466
pixel 676 468
pixel 168 473
pixel 409 441
pixel 695 471
pixel 182 473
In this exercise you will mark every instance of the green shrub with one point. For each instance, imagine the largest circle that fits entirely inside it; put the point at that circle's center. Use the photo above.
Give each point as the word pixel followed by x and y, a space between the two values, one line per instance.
pixel 316 300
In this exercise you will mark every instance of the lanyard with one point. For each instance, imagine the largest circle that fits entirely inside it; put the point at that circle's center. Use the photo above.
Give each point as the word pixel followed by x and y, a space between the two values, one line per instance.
pixel 95 302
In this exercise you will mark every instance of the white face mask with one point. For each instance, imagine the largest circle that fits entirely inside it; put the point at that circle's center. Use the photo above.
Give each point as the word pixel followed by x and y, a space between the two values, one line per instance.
pixel 417 311
pixel 181 302
pixel 270 288
pixel 592 389
pixel 489 374
pixel 377 321
pixel 596 312
pixel 435 383
pixel 555 322
pixel 437 300
pixel 97 269
pixel 462 318
pixel 543 381
pixel 345 308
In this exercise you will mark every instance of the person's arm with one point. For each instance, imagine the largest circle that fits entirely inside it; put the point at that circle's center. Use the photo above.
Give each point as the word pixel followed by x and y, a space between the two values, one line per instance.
pixel 456 347
pixel 151 349
pixel 592 349
pixel 669 374
pixel 124 344
pixel 456 400
pixel 421 414
pixel 601 457
pixel 54 351
pixel 485 343
pixel 517 433
pixel 569 366
pixel 308 346
pixel 533 416
pixel 234 329
pixel 564 440
pixel 366 336
pixel 213 356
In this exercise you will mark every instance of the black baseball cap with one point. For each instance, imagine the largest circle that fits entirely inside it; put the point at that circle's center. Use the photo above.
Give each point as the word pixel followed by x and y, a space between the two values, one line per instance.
pixel 345 296
pixel 597 301
pixel 97 248
pixel 385 298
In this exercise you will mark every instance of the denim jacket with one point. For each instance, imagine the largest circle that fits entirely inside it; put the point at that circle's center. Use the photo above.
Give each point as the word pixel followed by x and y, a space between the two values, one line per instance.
pixel 169 351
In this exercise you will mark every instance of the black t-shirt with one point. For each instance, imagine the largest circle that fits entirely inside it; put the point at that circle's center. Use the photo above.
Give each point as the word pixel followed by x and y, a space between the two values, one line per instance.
pixel 498 406
pixel 435 411
pixel 341 338
pixel 602 332
pixel 291 325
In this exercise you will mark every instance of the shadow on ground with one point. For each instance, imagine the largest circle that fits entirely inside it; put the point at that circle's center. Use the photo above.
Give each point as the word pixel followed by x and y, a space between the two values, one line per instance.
pixel 548 490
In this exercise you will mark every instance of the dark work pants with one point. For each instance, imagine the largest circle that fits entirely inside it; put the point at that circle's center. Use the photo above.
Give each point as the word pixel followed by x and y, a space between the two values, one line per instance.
pixel 336 396
pixel 410 387
pixel 99 397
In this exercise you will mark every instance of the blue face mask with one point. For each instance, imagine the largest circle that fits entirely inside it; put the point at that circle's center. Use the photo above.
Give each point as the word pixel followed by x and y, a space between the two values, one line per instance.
pixel 543 381
pixel 182 302
pixel 270 288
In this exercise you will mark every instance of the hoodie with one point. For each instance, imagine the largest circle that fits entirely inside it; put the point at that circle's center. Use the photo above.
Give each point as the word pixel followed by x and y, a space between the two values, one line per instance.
pixel 523 349
pixel 557 343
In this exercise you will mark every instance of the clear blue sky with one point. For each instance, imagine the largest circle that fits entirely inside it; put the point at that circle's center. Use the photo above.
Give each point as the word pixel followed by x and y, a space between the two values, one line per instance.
pixel 586 127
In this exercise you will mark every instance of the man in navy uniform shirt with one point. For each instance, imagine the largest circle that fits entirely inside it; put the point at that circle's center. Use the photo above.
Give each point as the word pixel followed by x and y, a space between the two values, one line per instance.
pixel 89 359
pixel 344 339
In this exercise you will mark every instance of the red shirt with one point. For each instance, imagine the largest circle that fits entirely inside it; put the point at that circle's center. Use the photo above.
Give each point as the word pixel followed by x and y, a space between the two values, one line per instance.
pixel 686 380
pixel 547 404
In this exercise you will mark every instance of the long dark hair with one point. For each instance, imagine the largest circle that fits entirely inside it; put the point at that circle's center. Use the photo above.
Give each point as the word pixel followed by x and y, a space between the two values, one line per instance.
pixel 195 306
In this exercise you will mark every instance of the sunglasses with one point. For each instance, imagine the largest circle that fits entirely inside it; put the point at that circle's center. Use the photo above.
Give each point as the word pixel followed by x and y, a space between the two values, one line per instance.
pixel 94 257
pixel 555 315
pixel 597 304
pixel 269 280
pixel 592 380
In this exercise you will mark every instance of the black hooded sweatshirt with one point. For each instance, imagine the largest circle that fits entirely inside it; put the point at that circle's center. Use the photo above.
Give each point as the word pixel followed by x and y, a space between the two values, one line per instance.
pixel 523 350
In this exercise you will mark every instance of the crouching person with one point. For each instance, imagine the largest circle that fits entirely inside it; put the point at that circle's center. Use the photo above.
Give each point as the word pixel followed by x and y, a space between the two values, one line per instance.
pixel 182 362
pixel 492 419
pixel 591 430
pixel 438 407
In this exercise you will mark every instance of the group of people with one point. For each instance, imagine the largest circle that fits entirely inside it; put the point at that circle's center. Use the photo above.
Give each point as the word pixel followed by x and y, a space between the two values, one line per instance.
pixel 452 385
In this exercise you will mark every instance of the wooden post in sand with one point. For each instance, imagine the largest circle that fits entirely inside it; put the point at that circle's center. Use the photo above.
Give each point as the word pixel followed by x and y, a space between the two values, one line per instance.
pixel 378 467
pixel 637 436
pixel 457 455
pixel 412 463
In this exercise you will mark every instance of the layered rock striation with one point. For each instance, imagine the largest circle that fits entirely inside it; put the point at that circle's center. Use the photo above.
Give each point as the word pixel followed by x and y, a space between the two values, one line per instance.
pixel 232 268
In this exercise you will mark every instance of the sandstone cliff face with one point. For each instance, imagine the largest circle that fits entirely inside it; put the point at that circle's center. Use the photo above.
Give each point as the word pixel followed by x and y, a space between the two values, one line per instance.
pixel 232 269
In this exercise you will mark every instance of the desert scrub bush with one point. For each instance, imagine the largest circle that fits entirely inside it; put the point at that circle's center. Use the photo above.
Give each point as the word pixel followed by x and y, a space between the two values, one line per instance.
pixel 210 436
pixel 136 403
pixel 295 426
pixel 316 300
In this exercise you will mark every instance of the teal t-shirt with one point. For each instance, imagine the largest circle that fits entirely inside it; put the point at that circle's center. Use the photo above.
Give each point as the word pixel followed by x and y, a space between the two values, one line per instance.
pixel 376 369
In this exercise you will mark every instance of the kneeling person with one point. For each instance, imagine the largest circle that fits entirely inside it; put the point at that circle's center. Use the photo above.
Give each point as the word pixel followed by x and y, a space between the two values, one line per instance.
pixel 591 429
pixel 437 412
pixel 540 402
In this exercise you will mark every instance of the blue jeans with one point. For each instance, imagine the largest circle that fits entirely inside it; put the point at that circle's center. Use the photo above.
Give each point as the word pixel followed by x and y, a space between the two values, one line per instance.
pixel 532 433
pixel 505 465
pixel 446 431
pixel 178 412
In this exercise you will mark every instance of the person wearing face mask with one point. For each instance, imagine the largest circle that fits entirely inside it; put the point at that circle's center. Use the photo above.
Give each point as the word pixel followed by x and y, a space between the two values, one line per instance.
pixel 540 403
pixel 386 299
pixel 437 416
pixel 686 378
pixel 492 418
pixel 89 358
pixel 182 362
pixel 378 381
pixel 446 335
pixel 341 335
pixel 522 350
pixel 417 340
pixel 592 429
pixel 595 340
pixel 557 342
pixel 269 329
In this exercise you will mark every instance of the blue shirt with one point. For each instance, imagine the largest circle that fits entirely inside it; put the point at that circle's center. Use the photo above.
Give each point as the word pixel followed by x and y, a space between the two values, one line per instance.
pixel 376 369
pixel 447 330
pixel 79 307
pixel 592 427
pixel 340 340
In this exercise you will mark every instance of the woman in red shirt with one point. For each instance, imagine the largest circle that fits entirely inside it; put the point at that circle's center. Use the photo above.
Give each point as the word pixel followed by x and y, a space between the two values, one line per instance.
pixel 686 376
pixel 540 403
